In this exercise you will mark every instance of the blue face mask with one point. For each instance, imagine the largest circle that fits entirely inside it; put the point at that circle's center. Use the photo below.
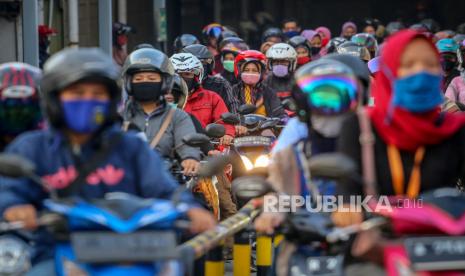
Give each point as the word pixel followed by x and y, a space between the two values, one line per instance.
pixel 291 34
pixel 420 92
pixel 85 116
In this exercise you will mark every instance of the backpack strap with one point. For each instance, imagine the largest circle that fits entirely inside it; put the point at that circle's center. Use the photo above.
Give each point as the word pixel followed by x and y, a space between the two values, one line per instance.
pixel 163 128
pixel 367 142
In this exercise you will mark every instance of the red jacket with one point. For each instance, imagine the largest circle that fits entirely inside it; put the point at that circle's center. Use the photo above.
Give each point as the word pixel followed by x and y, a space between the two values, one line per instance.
pixel 207 107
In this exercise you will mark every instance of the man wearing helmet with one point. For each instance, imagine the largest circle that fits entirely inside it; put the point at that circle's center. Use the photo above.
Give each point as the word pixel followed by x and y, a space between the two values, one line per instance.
pixel 83 153
pixel 368 41
pixel 296 130
pixel 148 77
pixel 210 35
pixel 354 49
pixel 448 48
pixel 19 100
pixel 274 35
pixel 318 85
pixel 210 82
pixel 303 49
pixel 229 48
pixel 282 62
pixel 205 105
pixel 184 40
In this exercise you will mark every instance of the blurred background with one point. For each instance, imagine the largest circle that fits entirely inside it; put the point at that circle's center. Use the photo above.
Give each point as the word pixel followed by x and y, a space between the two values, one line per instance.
pixel 76 22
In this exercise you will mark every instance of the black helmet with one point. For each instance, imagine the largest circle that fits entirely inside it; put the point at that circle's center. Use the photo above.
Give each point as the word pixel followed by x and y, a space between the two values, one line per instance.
pixel 204 55
pixel 236 42
pixel 226 34
pixel 183 41
pixel 359 68
pixel 353 49
pixel 394 27
pixel 461 28
pixel 148 60
pixel 300 41
pixel 420 27
pixel 431 24
pixel 73 65
pixel 334 43
pixel 272 32
pixel 19 98
pixel 367 40
pixel 179 91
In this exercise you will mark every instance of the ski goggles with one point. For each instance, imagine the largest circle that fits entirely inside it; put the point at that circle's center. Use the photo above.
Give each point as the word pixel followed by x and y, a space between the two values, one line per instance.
pixel 329 95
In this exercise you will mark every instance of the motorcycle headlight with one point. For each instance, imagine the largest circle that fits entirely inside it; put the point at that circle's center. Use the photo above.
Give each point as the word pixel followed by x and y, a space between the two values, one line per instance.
pixel 262 161
pixel 247 163
pixel 14 256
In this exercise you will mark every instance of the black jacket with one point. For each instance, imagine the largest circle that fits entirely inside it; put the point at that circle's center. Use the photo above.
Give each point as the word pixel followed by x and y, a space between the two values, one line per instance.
pixel 442 166
pixel 281 86
pixel 222 87
pixel 272 104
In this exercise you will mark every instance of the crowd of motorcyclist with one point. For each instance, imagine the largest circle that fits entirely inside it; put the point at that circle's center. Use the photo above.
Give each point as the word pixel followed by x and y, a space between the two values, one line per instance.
pixel 92 127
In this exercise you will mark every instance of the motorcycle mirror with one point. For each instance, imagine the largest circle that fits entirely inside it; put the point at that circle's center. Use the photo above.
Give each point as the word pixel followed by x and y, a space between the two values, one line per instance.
pixel 331 165
pixel 249 187
pixel 246 109
pixel 16 166
pixel 195 139
pixel 289 104
pixel 230 118
pixel 215 130
pixel 213 165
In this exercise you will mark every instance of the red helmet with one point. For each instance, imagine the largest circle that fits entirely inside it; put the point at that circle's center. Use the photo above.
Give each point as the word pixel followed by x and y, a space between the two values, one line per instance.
pixel 249 56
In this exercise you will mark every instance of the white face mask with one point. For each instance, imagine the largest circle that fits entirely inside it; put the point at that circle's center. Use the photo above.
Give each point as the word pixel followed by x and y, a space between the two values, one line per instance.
pixel 328 126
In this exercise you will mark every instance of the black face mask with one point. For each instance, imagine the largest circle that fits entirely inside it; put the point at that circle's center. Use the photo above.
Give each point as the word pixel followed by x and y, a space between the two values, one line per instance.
pixel 207 68
pixel 191 84
pixel 315 50
pixel 448 65
pixel 147 91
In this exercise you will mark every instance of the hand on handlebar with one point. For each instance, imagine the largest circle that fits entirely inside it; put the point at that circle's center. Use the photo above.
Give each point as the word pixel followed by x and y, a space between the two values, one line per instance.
pixel 344 219
pixel 26 214
pixel 201 220
pixel 241 130
pixel 190 167
pixel 268 222
pixel 226 140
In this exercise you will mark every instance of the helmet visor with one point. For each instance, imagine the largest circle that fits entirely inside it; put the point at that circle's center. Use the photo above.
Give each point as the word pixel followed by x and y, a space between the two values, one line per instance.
pixel 329 95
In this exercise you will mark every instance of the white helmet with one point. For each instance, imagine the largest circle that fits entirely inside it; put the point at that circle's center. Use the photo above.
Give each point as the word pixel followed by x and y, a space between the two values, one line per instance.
pixel 187 62
pixel 282 51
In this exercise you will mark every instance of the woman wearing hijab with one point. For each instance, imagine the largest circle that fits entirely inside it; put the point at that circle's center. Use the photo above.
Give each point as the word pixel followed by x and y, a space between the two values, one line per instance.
pixel 348 30
pixel 250 69
pixel 314 38
pixel 325 34
pixel 416 147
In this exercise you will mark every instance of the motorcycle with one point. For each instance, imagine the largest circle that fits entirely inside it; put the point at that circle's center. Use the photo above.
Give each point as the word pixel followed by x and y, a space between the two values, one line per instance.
pixel 120 234
pixel 308 232
pixel 426 235
pixel 253 148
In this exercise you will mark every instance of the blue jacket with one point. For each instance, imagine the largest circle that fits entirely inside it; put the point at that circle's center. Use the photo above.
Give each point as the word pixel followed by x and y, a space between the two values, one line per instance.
pixel 131 167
